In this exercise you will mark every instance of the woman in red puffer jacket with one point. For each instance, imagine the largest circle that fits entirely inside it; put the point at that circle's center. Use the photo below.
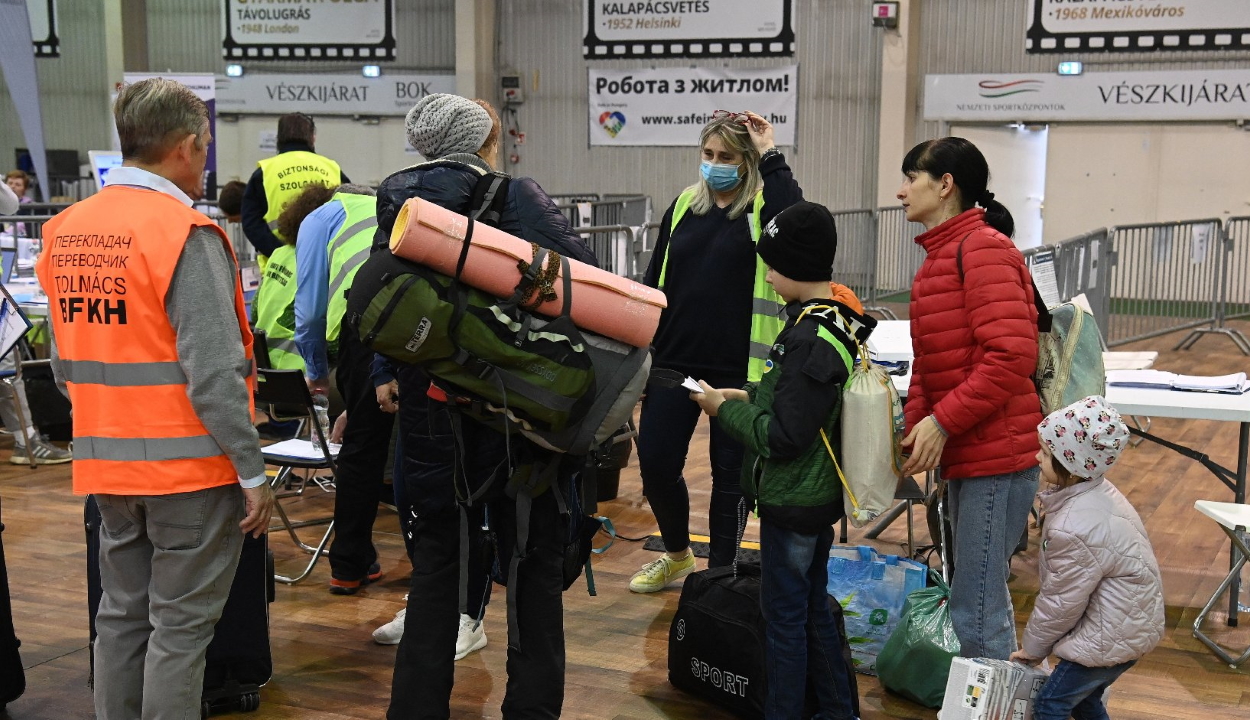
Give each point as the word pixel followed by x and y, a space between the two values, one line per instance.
pixel 972 409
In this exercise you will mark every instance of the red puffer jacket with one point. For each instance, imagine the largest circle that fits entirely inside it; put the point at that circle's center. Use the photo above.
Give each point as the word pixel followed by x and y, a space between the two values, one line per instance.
pixel 976 348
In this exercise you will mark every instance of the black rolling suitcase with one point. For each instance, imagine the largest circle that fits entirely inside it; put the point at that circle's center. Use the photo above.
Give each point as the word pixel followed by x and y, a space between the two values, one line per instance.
pixel 238 662
pixel 12 678
pixel 716 642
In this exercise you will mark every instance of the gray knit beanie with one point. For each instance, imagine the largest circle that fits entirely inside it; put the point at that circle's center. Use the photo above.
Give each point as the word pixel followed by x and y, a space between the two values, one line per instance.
pixel 442 124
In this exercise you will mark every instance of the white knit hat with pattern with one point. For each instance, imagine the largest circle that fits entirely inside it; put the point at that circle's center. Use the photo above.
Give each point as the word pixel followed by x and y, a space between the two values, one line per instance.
pixel 1086 437
pixel 441 124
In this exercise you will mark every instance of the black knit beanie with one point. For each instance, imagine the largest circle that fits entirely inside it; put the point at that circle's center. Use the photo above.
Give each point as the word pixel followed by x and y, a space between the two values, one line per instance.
pixel 800 242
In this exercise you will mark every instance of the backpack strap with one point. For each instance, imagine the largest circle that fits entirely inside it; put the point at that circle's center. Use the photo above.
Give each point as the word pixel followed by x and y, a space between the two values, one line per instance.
pixel 1044 320
pixel 523 488
pixel 490 195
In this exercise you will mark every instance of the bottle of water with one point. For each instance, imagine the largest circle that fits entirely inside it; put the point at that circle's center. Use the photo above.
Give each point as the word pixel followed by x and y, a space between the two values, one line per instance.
pixel 321 406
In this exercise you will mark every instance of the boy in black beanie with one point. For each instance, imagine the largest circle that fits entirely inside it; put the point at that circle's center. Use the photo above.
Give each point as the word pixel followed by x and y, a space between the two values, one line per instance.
pixel 790 425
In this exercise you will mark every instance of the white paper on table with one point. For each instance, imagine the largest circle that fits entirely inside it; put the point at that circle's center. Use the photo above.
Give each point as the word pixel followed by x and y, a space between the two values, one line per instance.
pixel 1219 383
pixel 1141 378
pixel 300 449
pixel 13 325
pixel 691 384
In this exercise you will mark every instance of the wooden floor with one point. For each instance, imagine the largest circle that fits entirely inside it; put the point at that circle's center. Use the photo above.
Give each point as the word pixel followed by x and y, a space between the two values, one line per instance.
pixel 326 665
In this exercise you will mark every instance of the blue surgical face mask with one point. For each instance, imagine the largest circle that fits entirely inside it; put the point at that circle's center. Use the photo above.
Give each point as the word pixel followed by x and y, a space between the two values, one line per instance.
pixel 720 177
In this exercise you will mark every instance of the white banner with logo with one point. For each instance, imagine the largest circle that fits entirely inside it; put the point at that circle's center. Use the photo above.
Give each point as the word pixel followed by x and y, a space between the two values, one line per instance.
pixel 308 29
pixel 669 106
pixel 322 94
pixel 1180 95
pixel 687 28
pixel 1137 25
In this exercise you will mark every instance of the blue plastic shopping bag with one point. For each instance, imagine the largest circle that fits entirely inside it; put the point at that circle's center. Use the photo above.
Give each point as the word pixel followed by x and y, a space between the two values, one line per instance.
pixel 872 589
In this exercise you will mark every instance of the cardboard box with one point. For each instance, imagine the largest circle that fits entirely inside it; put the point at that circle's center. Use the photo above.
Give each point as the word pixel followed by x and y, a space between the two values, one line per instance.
pixel 983 689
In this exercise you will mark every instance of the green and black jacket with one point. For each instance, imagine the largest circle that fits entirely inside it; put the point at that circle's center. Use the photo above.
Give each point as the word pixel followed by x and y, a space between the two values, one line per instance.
pixel 787 473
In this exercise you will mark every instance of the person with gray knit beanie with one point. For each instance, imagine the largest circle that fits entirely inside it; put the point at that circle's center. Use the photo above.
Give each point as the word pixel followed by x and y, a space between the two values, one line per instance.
pixel 441 124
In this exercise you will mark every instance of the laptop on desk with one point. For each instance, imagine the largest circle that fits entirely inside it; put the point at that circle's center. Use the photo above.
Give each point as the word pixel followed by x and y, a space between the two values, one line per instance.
pixel 8 260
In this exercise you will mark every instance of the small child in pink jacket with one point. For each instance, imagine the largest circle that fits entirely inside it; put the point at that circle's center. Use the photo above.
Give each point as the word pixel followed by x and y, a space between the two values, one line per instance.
pixel 1100 607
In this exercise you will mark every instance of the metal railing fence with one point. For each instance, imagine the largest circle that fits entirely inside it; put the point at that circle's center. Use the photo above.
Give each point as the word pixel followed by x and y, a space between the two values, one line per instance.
pixel 632 210
pixel 855 264
pixel 1163 277
pixel 898 256
pixel 1141 281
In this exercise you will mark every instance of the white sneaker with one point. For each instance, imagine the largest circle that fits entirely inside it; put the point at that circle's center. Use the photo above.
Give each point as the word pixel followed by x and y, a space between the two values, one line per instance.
pixel 391 632
pixel 470 638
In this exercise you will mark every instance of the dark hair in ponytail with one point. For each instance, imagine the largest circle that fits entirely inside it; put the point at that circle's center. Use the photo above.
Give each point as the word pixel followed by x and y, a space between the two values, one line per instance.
pixel 967 166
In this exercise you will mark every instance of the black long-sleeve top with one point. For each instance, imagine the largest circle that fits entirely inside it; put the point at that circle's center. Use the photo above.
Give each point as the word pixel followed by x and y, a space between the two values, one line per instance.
pixel 705 330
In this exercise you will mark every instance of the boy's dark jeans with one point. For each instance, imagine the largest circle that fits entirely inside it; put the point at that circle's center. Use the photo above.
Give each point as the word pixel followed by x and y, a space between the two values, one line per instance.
pixel 801 637
pixel 1075 691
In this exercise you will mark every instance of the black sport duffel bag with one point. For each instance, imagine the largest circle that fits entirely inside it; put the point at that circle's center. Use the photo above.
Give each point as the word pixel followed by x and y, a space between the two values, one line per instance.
pixel 716 642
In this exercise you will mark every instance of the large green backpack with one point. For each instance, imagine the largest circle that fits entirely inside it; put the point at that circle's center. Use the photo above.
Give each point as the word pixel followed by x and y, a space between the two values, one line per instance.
pixel 566 389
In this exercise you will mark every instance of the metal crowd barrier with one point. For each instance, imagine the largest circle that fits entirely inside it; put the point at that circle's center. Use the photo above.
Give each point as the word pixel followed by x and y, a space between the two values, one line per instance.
pixel 1231 294
pixel 1165 277
pixel 616 247
pixel 898 257
pixel 632 210
pixel 574 198
pixel 856 263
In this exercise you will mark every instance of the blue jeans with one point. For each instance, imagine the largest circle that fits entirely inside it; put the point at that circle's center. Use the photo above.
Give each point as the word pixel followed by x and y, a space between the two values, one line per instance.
pixel 801 638
pixel 1076 691
pixel 988 514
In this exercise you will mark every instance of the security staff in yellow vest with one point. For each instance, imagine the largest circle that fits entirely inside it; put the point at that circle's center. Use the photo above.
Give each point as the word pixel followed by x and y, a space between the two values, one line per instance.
pixel 333 241
pixel 282 177
pixel 273 308
pixel 720 323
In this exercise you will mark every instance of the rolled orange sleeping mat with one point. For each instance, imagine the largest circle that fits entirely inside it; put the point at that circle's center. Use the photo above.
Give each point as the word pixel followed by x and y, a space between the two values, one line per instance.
pixel 603 303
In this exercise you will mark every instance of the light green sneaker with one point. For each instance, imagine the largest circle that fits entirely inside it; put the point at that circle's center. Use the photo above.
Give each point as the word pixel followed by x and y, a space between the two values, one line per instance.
pixel 659 574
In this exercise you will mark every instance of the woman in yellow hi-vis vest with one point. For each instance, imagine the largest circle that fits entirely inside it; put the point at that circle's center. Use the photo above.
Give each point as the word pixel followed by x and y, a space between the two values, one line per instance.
pixel 720 323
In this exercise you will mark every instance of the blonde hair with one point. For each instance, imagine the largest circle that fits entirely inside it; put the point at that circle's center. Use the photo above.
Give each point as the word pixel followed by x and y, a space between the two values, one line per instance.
pixel 492 137
pixel 155 114
pixel 736 137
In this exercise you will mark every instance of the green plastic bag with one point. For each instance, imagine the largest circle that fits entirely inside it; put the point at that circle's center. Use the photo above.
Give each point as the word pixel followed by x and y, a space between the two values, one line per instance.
pixel 916 660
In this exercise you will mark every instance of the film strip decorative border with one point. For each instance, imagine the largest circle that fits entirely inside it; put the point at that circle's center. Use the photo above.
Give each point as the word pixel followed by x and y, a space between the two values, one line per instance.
pixel 234 51
pixel 1039 40
pixel 381 50
pixel 49 46
pixel 782 45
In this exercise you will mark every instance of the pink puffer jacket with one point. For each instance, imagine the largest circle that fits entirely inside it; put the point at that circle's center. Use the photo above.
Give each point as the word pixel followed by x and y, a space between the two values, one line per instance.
pixel 1101 602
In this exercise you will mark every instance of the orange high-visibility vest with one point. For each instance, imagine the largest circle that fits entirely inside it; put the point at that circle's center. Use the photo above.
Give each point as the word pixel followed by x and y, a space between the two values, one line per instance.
pixel 106 267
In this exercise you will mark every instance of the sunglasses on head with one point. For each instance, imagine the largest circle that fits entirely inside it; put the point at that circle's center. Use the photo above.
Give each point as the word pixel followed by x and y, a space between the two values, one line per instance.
pixel 730 115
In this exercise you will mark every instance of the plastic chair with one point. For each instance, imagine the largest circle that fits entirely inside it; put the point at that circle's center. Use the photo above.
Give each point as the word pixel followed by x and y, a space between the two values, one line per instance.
pixel 287 389
pixel 1233 518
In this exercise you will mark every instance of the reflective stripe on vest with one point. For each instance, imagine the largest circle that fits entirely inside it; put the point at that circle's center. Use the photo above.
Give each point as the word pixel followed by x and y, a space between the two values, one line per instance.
pixel 135 430
pixel 347 249
pixel 767 307
pixel 285 176
pixel 141 374
pixel 139 449
pixel 275 309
